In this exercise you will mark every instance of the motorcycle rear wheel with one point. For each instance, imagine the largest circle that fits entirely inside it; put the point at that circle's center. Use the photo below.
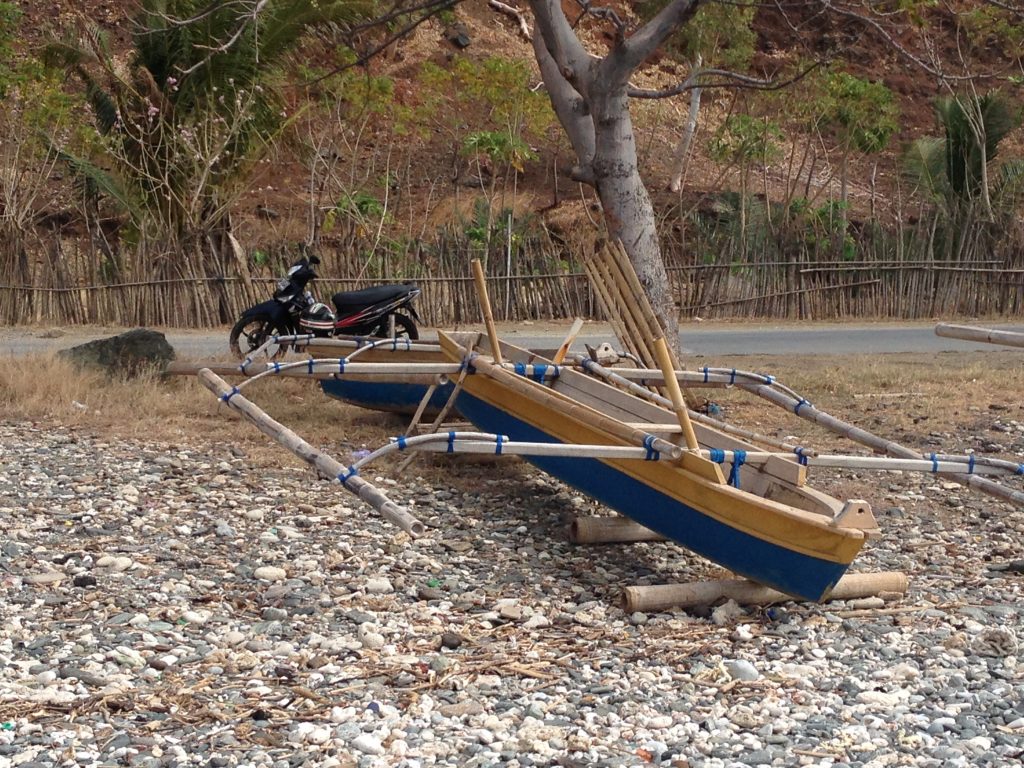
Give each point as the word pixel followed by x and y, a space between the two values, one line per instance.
pixel 251 333
pixel 405 328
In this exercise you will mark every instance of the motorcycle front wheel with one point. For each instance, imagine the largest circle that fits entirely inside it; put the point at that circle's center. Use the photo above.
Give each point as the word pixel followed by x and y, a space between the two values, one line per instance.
pixel 405 328
pixel 251 333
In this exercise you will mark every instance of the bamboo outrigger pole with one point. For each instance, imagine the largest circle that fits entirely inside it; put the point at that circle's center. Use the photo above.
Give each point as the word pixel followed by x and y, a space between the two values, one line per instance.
pixel 327 465
pixel 984 335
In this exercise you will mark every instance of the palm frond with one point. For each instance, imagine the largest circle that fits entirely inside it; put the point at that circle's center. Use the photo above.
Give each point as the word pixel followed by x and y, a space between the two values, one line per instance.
pixel 924 163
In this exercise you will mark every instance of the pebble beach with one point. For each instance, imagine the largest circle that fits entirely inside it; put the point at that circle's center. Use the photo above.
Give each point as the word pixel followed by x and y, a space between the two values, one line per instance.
pixel 171 605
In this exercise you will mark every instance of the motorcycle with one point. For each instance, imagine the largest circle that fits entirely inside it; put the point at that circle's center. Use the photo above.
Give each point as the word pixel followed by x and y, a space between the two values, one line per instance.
pixel 293 310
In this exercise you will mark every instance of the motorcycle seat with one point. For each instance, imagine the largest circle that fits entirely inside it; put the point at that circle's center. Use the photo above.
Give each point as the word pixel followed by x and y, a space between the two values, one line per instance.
pixel 347 302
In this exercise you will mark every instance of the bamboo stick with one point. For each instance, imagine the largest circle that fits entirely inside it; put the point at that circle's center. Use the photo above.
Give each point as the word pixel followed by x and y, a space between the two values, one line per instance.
pixel 325 464
pixel 675 394
pixel 609 530
pixel 485 306
pixel 570 337
pixel 665 596
pixel 985 335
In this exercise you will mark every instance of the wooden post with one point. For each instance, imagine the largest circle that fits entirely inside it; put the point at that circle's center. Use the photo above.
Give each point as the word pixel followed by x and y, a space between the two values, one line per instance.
pixel 325 464
pixel 485 306
pixel 664 596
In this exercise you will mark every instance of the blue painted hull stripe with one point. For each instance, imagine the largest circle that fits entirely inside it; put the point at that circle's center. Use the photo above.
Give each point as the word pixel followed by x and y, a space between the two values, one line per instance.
pixel 386 396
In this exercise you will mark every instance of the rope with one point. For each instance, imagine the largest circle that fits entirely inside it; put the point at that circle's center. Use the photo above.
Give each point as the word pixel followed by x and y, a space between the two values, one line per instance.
pixel 401 442
pixel 451 442
pixel 344 477
pixel 801 458
pixel 935 463
pixel 739 458
pixel 717 455
pixel 497 444
pixel 800 405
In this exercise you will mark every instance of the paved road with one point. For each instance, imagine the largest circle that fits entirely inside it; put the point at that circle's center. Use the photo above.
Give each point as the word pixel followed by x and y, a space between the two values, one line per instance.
pixel 706 339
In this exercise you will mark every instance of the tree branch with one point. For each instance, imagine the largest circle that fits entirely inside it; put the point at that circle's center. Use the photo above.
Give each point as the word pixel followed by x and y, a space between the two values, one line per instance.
pixel 728 80
pixel 634 51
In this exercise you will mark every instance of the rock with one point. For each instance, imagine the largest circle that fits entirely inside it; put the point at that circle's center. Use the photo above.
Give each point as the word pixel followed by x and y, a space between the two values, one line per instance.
pixel 129 353
pixel 270 573
pixel 462 708
pixel 46 577
pixel 741 669
pixel 379 586
pixel 451 640
pixel 368 744
pixel 726 613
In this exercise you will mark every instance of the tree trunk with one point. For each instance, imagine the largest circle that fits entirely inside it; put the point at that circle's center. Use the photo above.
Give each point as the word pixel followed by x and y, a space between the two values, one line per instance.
pixel 628 212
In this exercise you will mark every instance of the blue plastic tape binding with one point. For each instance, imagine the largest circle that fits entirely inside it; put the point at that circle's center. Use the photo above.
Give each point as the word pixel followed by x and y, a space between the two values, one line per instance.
pixel 227 398
pixel 970 464
pixel 800 405
pixel 799 451
pixel 935 463
pixel 341 364
pixel 652 455
pixel 344 477
pixel 520 369
pixel 497 445
pixel 1020 469
pixel 706 372
pixel 768 379
pixel 732 376
pixel 451 442
pixel 277 367
pixel 739 458
pixel 310 365
pixel 538 372
pixel 401 442
pixel 717 455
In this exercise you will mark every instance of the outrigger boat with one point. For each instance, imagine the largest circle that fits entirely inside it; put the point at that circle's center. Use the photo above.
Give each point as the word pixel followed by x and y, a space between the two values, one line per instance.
pixel 765 523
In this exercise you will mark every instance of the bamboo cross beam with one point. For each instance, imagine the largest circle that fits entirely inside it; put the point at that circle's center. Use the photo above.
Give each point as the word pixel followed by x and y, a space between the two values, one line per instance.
pixel 984 335
pixel 326 465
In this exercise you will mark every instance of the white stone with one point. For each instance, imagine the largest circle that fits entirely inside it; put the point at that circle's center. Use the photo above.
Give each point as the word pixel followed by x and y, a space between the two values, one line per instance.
pixel 270 573
pixel 368 744
pixel 378 586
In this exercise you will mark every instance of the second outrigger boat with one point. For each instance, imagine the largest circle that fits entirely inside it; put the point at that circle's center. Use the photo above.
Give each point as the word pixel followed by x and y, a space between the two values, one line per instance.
pixel 764 523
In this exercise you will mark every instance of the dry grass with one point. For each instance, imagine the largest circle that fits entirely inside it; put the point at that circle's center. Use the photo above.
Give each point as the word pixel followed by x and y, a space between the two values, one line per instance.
pixel 179 410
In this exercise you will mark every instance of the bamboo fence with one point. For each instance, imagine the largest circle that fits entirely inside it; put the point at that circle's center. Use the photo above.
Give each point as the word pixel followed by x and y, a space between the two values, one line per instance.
pixel 540 282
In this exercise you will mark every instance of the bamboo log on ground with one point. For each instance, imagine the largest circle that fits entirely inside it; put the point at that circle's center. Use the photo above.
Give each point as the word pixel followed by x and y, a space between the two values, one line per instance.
pixel 324 464
pixel 662 597
pixel 984 335
pixel 609 530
